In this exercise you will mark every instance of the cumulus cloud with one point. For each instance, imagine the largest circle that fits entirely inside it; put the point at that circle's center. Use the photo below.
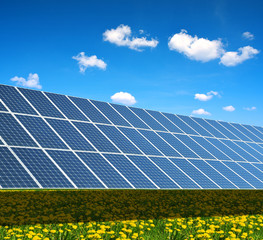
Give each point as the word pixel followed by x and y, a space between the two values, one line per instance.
pixel 248 35
pixel 31 82
pixel 229 108
pixel 123 98
pixel 206 97
pixel 195 48
pixel 201 111
pixel 122 36
pixel 92 61
pixel 250 108
pixel 230 59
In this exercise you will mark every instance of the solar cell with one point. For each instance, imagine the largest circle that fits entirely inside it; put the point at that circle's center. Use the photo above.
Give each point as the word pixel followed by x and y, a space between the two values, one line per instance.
pixel 127 169
pixel 195 126
pixel 12 132
pixel 260 129
pixel 70 135
pixel 130 116
pixel 2 107
pixel 89 110
pixel 41 103
pixel 42 168
pixel 161 179
pixel 194 173
pixel 1 143
pixel 254 131
pixel 110 113
pixel 252 169
pixel 148 119
pixel 12 173
pixel 75 169
pixel 256 147
pixel 208 127
pixel 213 174
pixel 119 139
pixel 140 141
pixel 175 173
pixel 180 124
pixel 250 150
pixel 14 101
pixel 159 143
pixel 164 121
pixel 96 137
pixel 66 106
pixel 41 132
pixel 104 170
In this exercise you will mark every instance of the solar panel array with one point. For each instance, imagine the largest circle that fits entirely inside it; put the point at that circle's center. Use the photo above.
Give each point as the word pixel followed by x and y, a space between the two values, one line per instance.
pixel 49 140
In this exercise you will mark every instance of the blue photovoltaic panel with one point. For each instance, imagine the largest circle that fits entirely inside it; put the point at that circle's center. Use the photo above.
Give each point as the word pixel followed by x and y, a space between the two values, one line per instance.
pixel 148 119
pixel 119 139
pixel 258 165
pixel 245 174
pixel 89 110
pixel 175 173
pixel 140 141
pixel 179 123
pixel 208 127
pixel 12 173
pixel 153 172
pixel 110 113
pixel 14 101
pixel 1 143
pixel 41 103
pixel 66 106
pixel 194 173
pixel 230 174
pixel 130 116
pixel 164 121
pixel 70 135
pixel 2 107
pixel 12 133
pixel 41 132
pixel 178 145
pixel 256 147
pixel 247 132
pixel 75 169
pixel 250 150
pixel 240 151
pixel 222 129
pixel 253 169
pixel 225 149
pixel 159 143
pixel 211 148
pixel 42 168
pixel 195 126
pixel 235 131
pixel 104 170
pixel 96 137
pixel 258 134
pixel 260 129
pixel 129 171
pixel 213 174
pixel 199 150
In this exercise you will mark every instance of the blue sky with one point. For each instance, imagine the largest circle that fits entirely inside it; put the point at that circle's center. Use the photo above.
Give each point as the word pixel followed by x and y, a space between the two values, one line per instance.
pixel 172 56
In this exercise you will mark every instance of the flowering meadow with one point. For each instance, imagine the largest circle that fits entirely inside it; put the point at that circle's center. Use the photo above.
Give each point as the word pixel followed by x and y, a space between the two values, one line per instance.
pixel 131 214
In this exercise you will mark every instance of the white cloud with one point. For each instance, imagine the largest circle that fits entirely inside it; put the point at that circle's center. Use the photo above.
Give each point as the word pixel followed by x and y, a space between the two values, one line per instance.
pixel 92 61
pixel 124 98
pixel 229 108
pixel 195 48
pixel 230 59
pixel 121 36
pixel 250 108
pixel 31 82
pixel 248 35
pixel 200 111
pixel 205 97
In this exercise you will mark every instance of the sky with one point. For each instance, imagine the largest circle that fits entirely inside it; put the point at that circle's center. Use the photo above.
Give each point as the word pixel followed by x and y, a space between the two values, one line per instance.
pixel 195 58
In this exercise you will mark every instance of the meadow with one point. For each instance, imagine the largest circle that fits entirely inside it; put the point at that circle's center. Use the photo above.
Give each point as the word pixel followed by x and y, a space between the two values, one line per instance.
pixel 131 214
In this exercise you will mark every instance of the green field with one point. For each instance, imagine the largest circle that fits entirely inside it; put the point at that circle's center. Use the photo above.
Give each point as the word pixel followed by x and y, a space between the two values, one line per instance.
pixel 131 214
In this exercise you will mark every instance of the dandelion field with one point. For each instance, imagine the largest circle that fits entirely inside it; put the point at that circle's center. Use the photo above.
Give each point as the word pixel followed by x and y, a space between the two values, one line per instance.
pixel 131 214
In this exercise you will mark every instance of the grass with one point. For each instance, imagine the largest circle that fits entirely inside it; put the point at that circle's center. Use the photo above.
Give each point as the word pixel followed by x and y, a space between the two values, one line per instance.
pixel 131 214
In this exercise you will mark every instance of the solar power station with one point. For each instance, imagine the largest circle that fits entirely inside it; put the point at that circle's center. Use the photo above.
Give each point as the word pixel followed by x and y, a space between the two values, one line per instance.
pixel 49 140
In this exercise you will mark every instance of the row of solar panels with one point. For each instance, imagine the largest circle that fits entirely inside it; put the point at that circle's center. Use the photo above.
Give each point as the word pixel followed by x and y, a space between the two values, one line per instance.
pixel 52 141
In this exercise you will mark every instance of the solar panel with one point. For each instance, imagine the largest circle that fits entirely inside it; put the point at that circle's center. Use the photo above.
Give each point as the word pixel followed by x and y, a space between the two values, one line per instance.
pixel 49 140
